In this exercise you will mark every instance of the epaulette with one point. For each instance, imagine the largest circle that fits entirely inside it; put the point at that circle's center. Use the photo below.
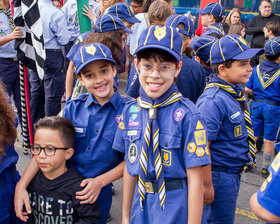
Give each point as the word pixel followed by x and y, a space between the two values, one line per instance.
pixel 211 92
pixel 128 100
pixel 81 97
pixel 189 104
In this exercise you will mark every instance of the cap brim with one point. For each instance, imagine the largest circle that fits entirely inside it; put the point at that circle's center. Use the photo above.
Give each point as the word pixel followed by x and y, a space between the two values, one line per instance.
pixel 192 45
pixel 202 11
pixel 92 60
pixel 154 46
pixel 132 20
pixel 249 53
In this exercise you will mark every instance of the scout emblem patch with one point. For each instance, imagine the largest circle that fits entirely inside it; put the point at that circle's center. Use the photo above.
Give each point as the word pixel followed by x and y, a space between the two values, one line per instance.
pixel 179 114
pixel 160 32
pixel 237 131
pixel 91 50
pixel 132 153
pixel 118 118
pixel 121 125
pixel 191 147
pixel 132 122
pixel 199 152
pixel 200 137
pixel 166 157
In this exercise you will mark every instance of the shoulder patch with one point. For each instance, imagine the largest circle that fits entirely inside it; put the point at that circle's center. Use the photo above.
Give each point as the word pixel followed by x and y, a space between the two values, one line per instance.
pixel 81 97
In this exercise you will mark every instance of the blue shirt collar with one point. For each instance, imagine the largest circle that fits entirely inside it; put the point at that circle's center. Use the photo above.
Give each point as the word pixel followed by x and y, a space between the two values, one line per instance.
pixel 116 100
pixel 221 81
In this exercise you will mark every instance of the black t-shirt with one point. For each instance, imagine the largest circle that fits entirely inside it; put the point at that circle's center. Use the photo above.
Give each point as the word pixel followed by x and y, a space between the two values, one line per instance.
pixel 53 201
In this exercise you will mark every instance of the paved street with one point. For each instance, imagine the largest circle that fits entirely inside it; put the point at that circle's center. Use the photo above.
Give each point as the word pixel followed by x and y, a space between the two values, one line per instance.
pixel 250 183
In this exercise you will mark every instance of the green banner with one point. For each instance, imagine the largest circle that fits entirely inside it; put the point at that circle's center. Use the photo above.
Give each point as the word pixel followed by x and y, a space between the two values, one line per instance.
pixel 84 21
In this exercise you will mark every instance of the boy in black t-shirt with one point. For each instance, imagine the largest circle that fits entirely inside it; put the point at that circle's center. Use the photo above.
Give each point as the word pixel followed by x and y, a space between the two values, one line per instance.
pixel 53 190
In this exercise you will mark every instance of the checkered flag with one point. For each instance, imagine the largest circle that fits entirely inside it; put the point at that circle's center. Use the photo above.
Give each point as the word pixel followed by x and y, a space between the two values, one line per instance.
pixel 30 50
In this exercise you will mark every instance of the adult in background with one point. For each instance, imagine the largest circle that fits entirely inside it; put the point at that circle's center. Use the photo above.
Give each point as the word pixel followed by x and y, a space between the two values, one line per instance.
pixel 256 25
pixel 234 17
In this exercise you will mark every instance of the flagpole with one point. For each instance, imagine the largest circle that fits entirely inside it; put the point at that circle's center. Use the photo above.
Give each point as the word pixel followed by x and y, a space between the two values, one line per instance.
pixel 26 145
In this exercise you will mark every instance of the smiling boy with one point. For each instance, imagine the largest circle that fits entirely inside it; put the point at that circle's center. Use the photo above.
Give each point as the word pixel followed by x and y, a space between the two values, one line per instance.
pixel 163 137
pixel 228 125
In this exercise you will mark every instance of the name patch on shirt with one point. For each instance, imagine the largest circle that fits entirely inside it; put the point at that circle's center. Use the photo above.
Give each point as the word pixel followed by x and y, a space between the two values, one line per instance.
pixel 132 152
pixel 166 157
pixel 237 131
pixel 79 130
pixel 132 133
pixel 235 115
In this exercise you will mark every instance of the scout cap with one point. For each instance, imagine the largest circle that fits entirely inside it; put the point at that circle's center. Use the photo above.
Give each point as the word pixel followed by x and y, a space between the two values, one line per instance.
pixel 90 53
pixel 272 46
pixel 174 21
pixel 232 47
pixel 107 22
pixel 202 46
pixel 123 11
pixel 212 8
pixel 161 37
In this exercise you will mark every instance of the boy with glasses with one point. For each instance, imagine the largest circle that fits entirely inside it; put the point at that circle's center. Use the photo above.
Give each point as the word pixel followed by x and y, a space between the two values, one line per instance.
pixel 53 190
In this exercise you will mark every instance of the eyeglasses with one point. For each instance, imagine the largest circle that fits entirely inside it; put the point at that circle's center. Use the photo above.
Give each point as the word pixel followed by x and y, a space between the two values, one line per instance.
pixel 135 6
pixel 48 150
pixel 165 71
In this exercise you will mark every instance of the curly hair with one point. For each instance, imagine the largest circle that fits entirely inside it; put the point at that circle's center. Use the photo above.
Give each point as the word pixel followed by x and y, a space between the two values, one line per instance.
pixel 8 131
pixel 111 39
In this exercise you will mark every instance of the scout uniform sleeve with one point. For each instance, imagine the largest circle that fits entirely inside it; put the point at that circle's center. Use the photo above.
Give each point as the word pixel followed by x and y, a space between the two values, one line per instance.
pixel 268 195
pixel 118 144
pixel 195 151
pixel 250 83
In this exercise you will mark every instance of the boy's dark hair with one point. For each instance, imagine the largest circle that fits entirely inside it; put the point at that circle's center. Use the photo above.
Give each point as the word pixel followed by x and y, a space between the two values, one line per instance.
pixel 273 26
pixel 218 19
pixel 156 54
pixel 64 126
pixel 219 36
pixel 159 10
pixel 272 58
pixel 139 2
pixel 227 64
pixel 236 28
pixel 269 1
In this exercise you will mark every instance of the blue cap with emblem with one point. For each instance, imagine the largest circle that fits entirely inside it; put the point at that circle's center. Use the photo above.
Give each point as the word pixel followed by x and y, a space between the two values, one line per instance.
pixel 161 37
pixel 90 53
pixel 108 22
pixel 215 9
pixel 232 47
pixel 272 46
pixel 175 20
pixel 123 11
pixel 202 46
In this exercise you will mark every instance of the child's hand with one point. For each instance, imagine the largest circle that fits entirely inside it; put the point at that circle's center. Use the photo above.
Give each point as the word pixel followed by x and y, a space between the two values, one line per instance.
pixel 21 200
pixel 87 11
pixel 208 194
pixel 91 191
pixel 17 33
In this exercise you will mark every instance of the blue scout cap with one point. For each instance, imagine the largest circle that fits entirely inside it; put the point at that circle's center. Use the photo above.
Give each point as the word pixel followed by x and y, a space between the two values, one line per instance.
pixel 161 37
pixel 123 11
pixel 107 22
pixel 212 8
pixel 202 46
pixel 232 47
pixel 90 53
pixel 174 21
pixel 272 46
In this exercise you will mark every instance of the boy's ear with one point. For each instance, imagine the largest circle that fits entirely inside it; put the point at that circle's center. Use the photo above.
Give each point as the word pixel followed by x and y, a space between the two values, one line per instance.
pixel 69 153
pixel 211 19
pixel 178 68
pixel 136 63
pixel 222 70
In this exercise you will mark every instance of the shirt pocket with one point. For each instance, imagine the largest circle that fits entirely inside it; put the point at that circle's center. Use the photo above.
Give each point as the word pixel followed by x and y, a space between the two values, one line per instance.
pixel 237 128
pixel 81 140
pixel 171 153
pixel 132 145
pixel 107 153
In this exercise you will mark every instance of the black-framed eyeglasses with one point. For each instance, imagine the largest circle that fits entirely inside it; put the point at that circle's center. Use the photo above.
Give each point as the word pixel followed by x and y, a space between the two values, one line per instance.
pixel 48 150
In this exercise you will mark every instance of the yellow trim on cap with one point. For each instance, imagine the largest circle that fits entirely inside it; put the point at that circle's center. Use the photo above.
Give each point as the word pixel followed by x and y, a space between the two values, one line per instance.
pixel 204 46
pixel 113 21
pixel 82 58
pixel 213 8
pixel 102 51
pixel 148 35
pixel 117 10
pixel 189 27
pixel 174 20
pixel 128 10
pixel 171 39
pixel 101 22
pixel 221 51
pixel 237 43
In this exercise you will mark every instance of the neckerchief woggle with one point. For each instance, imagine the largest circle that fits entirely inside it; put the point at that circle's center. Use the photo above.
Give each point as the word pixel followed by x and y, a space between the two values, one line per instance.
pixel 152 130
pixel 239 96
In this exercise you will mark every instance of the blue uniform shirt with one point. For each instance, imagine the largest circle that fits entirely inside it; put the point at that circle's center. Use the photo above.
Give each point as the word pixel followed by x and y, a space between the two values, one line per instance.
pixel 268 195
pixel 182 139
pixel 71 15
pixel 6 50
pixel 225 126
pixel 265 81
pixel 96 126
pixel 9 159
pixel 214 28
pixel 191 81
pixel 55 31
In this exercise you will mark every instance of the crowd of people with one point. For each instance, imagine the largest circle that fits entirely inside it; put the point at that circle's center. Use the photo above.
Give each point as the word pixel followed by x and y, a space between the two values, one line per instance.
pixel 186 130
